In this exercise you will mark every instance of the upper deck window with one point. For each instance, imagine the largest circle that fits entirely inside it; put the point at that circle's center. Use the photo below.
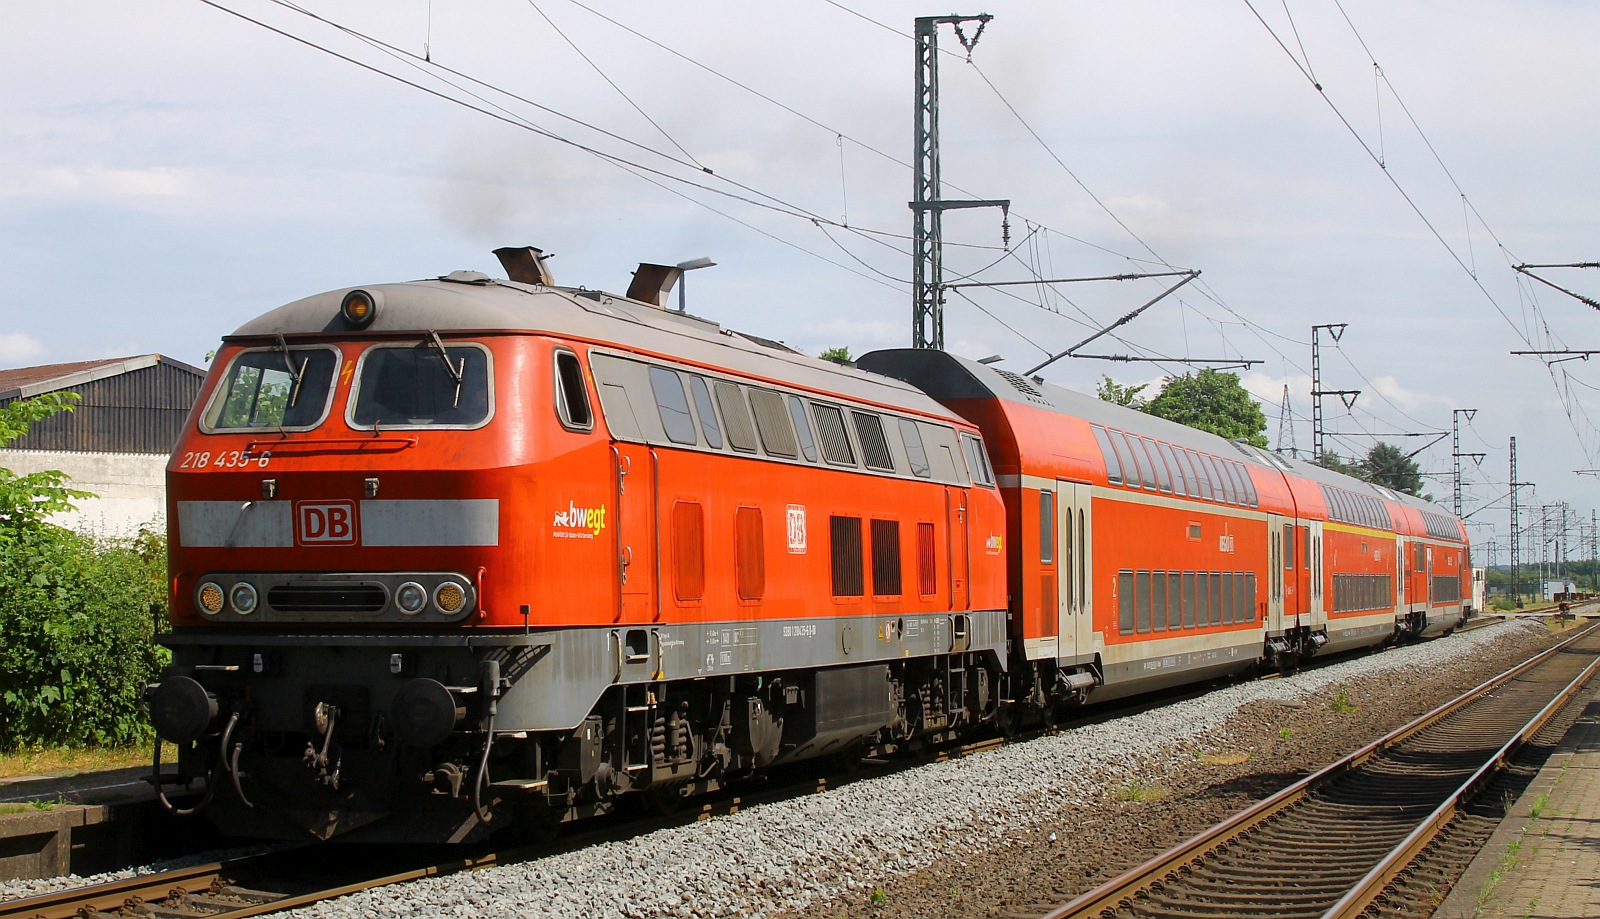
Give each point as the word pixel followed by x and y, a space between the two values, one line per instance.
pixel 275 387
pixel 425 385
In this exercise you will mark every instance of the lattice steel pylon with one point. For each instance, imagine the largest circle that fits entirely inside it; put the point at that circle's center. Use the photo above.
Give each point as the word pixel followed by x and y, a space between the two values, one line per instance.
pixel 1286 426
pixel 927 207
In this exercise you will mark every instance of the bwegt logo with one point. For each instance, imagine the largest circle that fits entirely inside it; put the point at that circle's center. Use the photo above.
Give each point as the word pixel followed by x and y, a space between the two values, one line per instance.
pixel 326 523
pixel 588 521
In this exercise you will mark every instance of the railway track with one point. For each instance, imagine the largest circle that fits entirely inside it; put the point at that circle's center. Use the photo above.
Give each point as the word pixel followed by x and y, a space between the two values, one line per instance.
pixel 1333 844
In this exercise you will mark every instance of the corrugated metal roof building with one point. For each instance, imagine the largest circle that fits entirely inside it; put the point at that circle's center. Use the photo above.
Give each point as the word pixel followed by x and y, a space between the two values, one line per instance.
pixel 115 444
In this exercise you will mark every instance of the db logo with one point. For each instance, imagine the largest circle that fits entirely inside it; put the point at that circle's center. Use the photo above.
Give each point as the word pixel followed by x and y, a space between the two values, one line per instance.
pixel 326 523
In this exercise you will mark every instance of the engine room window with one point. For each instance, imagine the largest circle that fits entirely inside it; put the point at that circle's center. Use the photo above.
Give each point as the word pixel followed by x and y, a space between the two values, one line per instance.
pixel 741 432
pixel 915 452
pixel 835 442
pixel 672 405
pixel 709 425
pixel 845 544
pixel 750 560
pixel 428 384
pixel 572 397
pixel 886 558
pixel 772 422
pixel 802 427
pixel 272 388
pixel 874 446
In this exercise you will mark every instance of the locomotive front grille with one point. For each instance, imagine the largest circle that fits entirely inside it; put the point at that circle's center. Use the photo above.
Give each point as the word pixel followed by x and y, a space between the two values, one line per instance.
pixel 328 598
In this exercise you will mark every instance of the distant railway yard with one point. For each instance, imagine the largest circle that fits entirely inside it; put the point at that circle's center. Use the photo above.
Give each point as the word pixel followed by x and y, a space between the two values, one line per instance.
pixel 1010 830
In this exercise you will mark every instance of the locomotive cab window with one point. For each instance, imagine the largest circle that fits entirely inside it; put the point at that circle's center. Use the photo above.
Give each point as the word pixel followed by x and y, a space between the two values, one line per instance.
pixel 425 385
pixel 275 387
pixel 572 397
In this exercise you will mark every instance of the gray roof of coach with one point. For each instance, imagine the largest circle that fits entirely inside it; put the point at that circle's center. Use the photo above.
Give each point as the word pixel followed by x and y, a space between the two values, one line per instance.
pixel 594 316
pixel 962 378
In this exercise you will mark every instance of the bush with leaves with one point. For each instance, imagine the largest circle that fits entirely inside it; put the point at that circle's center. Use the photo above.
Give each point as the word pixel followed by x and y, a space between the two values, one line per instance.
pixel 75 626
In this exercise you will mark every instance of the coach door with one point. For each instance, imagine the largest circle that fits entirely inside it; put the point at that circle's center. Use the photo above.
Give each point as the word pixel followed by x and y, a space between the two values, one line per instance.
pixel 1075 596
pixel 960 546
pixel 1314 580
pixel 636 532
pixel 1276 528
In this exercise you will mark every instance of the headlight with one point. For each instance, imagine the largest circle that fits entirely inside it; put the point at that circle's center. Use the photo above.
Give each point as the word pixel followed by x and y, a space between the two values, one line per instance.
pixel 243 599
pixel 449 597
pixel 359 307
pixel 411 598
pixel 210 598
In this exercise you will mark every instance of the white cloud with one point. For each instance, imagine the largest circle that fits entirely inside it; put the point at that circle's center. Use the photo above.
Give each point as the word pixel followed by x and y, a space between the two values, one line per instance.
pixel 97 183
pixel 19 349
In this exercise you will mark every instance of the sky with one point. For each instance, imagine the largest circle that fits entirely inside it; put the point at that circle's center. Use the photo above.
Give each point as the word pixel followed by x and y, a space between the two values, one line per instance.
pixel 169 169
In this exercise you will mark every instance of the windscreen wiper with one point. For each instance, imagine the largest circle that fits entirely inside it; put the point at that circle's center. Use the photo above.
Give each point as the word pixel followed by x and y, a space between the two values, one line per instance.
pixel 452 369
pixel 294 374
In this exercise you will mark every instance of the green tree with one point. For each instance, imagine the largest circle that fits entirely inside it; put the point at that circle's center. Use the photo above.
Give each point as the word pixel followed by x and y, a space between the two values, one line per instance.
pixel 1331 461
pixel 1385 465
pixel 1214 401
pixel 26 500
pixel 840 354
pixel 1116 393
pixel 75 649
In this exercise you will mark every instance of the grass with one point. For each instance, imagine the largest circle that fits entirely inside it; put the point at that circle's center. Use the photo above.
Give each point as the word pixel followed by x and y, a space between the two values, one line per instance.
pixel 1539 804
pixel 1341 704
pixel 70 761
pixel 879 897
pixel 1285 733
pixel 1141 793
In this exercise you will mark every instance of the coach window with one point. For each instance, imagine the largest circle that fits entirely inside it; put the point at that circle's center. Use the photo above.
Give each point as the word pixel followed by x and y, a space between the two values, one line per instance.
pixel 281 387
pixel 1174 601
pixel 672 405
pixel 1203 474
pixel 1047 527
pixel 802 428
pixel 915 452
pixel 1179 485
pixel 741 433
pixel 874 446
pixel 1158 601
pixel 1109 454
pixel 1189 600
pixel 830 431
pixel 1223 483
pixel 709 426
pixel 426 385
pixel 750 560
pixel 1216 598
pixel 1067 569
pixel 1163 479
pixel 1125 602
pixel 845 545
pixel 1191 477
pixel 1228 599
pixel 772 422
pixel 1142 602
pixel 572 397
pixel 1137 476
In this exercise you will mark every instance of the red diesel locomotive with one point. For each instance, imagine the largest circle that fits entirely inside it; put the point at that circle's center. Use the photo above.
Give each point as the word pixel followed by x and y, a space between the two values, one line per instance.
pixel 463 553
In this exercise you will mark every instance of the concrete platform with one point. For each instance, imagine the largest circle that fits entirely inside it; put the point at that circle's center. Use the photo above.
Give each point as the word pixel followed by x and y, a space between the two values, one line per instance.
pixel 1544 861
pixel 87 823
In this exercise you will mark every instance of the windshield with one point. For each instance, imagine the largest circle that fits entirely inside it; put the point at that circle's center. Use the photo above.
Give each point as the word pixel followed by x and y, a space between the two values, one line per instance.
pixel 423 385
pixel 278 387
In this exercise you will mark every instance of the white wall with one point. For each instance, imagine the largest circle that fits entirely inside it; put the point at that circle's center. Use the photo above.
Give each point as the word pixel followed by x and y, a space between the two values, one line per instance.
pixel 130 488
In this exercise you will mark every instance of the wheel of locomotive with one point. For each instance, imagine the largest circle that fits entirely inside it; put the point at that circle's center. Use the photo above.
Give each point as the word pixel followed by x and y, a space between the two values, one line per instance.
pixel 662 800
pixel 536 823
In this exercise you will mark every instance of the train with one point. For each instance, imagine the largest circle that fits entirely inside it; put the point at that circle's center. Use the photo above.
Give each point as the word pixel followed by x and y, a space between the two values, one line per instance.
pixel 462 555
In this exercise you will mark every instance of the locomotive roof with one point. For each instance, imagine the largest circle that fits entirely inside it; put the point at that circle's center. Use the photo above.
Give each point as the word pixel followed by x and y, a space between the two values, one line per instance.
pixel 948 376
pixel 474 303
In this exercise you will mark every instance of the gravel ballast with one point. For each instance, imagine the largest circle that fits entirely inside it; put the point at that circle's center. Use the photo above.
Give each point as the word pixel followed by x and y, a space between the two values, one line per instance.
pixel 971 836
